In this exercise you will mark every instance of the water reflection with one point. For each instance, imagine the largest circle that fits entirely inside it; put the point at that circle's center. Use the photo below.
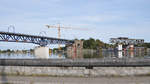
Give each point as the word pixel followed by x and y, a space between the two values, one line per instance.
pixel 88 53
pixel 106 53
pixel 120 54
pixel 17 55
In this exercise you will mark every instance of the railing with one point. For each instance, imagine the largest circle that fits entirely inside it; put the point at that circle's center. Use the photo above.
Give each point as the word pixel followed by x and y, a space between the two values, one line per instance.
pixel 88 63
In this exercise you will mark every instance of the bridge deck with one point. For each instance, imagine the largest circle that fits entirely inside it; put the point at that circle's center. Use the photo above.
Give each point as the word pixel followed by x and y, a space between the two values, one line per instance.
pixel 76 62
pixel 36 36
pixel 25 38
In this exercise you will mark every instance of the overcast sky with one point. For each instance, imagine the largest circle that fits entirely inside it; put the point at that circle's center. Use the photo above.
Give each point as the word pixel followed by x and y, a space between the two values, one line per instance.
pixel 100 19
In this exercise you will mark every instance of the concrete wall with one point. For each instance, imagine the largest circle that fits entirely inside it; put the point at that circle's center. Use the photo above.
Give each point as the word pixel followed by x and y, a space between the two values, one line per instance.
pixel 75 71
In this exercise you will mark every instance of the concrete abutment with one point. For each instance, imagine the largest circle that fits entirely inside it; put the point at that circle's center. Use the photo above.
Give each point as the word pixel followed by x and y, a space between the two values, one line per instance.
pixel 41 52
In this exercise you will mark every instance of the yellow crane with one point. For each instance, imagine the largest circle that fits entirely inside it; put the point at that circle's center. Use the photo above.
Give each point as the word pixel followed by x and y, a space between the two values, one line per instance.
pixel 59 27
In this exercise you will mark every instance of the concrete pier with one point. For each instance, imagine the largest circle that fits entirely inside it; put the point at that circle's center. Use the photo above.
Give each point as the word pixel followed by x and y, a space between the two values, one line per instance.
pixel 120 47
pixel 75 50
pixel 41 52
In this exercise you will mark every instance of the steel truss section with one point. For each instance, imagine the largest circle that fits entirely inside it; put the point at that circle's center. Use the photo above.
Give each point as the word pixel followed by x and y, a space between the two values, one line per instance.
pixel 40 40
pixel 126 41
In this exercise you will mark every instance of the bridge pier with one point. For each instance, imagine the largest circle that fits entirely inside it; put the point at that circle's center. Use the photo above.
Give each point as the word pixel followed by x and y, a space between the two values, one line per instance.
pixel 119 47
pixel 41 52
pixel 75 50
pixel 131 47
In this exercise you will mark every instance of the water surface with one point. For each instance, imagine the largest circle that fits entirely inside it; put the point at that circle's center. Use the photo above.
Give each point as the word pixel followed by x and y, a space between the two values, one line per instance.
pixel 84 54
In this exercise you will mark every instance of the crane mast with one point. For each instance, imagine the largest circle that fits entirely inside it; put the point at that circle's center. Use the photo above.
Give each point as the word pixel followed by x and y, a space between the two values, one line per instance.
pixel 59 30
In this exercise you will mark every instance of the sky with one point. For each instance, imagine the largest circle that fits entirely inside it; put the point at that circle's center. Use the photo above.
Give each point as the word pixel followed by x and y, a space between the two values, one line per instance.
pixel 99 19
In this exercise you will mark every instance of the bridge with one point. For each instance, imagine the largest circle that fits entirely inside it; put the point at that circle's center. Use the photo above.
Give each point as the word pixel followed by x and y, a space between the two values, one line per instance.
pixel 25 38
pixel 126 41
pixel 41 51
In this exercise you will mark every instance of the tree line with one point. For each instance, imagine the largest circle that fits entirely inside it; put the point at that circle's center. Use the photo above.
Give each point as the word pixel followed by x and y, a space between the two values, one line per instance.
pixel 95 44
pixel 92 43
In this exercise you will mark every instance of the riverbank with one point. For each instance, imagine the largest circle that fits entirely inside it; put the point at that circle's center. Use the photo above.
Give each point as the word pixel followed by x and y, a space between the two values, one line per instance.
pixel 73 80
pixel 75 71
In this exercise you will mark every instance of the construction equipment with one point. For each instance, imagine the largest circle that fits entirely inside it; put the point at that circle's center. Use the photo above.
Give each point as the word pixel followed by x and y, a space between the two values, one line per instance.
pixel 59 27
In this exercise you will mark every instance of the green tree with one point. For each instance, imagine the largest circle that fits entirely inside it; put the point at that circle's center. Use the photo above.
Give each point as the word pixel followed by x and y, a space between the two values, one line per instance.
pixel 94 44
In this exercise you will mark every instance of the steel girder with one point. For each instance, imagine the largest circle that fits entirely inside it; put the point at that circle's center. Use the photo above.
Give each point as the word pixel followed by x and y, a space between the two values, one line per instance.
pixel 40 40
pixel 126 41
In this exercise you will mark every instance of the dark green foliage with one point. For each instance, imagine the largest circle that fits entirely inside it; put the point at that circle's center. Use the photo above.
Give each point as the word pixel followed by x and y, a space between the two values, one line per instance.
pixel 147 45
pixel 94 44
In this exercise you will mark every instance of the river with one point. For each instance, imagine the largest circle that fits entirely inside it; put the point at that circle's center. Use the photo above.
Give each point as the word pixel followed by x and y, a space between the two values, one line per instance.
pixel 84 54
pixel 6 79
